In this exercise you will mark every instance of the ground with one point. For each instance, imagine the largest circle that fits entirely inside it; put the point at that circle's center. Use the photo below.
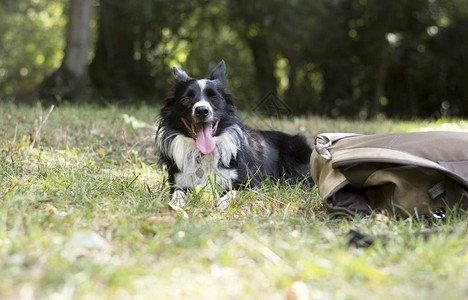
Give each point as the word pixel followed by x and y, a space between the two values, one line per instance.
pixel 84 215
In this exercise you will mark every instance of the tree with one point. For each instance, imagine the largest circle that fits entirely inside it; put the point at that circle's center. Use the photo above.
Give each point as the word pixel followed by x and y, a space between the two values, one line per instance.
pixel 115 70
pixel 254 21
pixel 328 57
pixel 71 81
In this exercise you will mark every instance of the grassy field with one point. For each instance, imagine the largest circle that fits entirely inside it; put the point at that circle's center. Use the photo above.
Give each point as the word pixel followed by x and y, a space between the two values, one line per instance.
pixel 83 215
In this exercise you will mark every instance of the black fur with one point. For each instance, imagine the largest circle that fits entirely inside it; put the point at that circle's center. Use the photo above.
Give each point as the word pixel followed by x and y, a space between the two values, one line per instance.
pixel 247 156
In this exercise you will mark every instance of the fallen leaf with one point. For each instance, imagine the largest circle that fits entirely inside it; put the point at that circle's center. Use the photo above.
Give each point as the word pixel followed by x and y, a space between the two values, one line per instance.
pixel 101 151
pixel 150 225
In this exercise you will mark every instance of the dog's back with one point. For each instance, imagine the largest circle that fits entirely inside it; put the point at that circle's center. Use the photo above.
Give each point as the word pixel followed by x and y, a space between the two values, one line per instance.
pixel 280 156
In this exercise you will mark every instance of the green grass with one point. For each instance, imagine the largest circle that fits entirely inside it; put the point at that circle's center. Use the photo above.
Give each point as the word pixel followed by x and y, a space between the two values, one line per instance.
pixel 83 215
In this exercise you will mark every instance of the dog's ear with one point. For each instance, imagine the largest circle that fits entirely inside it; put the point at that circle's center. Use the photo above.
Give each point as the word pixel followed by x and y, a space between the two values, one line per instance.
pixel 179 74
pixel 219 73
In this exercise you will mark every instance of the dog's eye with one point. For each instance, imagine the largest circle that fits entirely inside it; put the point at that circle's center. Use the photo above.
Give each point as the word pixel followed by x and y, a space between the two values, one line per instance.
pixel 214 98
pixel 186 99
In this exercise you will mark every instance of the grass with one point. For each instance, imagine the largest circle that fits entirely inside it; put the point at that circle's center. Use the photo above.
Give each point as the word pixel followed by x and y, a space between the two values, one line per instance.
pixel 83 215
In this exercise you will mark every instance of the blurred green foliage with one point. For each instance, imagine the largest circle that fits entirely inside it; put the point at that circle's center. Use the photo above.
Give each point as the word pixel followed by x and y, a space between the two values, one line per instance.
pixel 352 58
pixel 31 42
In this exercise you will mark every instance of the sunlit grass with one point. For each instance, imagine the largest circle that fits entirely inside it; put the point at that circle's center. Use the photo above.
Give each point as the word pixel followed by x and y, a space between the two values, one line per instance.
pixel 83 214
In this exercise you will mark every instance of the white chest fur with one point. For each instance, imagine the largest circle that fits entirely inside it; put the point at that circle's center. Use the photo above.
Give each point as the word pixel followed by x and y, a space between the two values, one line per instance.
pixel 212 168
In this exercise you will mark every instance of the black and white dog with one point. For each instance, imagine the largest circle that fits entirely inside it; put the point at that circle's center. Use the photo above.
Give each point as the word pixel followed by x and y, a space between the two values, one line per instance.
pixel 201 140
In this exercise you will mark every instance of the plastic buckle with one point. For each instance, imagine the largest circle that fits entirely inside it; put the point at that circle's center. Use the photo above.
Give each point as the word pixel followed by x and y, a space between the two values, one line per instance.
pixel 321 144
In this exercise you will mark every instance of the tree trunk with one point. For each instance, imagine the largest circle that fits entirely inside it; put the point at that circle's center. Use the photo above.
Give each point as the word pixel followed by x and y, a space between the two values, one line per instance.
pixel 71 80
pixel 379 85
pixel 264 65
pixel 413 102
pixel 78 37
pixel 290 94
pixel 114 70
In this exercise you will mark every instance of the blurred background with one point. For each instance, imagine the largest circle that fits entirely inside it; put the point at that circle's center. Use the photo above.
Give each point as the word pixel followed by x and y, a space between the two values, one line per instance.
pixel 339 58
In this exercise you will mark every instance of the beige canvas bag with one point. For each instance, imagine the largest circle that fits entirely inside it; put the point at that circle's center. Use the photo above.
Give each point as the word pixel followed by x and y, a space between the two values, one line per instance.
pixel 420 173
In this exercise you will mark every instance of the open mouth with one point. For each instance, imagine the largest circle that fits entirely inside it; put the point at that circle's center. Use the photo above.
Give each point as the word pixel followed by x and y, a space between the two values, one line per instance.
pixel 203 133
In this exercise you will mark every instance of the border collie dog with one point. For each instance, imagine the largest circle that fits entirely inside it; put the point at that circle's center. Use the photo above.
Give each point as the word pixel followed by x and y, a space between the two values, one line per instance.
pixel 201 140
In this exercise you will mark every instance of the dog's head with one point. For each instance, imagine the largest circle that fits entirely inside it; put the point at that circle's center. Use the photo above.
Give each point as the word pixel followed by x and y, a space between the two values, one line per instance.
pixel 200 108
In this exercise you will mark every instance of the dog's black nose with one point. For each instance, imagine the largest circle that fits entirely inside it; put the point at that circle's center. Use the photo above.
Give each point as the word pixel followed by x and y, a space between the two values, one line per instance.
pixel 202 111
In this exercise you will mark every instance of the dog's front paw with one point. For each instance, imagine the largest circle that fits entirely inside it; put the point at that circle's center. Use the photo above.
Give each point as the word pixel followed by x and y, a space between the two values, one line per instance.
pixel 224 202
pixel 179 199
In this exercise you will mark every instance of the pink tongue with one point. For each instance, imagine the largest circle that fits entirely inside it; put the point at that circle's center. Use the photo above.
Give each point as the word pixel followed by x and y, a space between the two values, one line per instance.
pixel 205 142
